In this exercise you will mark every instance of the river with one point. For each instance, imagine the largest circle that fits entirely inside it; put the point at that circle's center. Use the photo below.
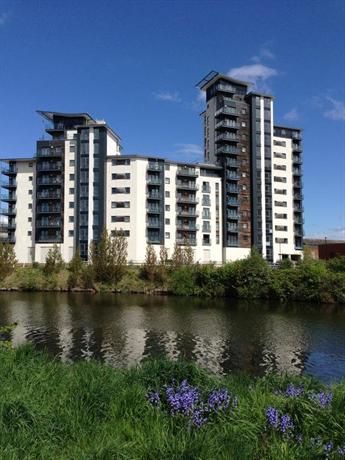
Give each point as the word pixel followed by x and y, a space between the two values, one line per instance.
pixel 222 335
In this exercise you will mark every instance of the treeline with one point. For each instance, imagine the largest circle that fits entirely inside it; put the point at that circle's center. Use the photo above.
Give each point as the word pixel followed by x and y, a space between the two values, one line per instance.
pixel 251 278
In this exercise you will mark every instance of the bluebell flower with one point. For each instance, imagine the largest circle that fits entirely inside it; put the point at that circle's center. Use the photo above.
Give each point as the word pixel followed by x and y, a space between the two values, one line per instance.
pixel 183 398
pixel 286 423
pixel 199 418
pixel 153 397
pixel 322 398
pixel 293 391
pixel 219 399
pixel 272 416
pixel 341 450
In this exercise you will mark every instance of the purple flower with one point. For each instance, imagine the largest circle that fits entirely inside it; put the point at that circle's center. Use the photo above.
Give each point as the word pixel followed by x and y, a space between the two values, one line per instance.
pixel 328 447
pixel 341 450
pixel 183 398
pixel 286 423
pixel 219 399
pixel 198 418
pixel 153 397
pixel 322 398
pixel 293 391
pixel 272 417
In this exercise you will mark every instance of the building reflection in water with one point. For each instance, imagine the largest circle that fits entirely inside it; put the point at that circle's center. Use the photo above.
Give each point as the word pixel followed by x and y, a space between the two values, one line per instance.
pixel 222 338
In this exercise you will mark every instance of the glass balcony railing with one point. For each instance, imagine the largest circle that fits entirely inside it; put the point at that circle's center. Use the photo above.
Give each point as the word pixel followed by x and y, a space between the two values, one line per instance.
pixel 227 149
pixel 48 223
pixel 187 185
pixel 189 172
pixel 50 152
pixel 51 238
pixel 187 199
pixel 227 124
pixel 56 180
pixel 153 223
pixel 48 209
pixel 187 227
pixel 183 241
pixel 49 194
pixel 53 166
pixel 187 213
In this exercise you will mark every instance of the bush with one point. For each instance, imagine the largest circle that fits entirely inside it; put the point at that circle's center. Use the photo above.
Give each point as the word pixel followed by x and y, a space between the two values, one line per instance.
pixel 8 260
pixel 337 264
pixel 182 281
pixel 54 262
pixel 75 268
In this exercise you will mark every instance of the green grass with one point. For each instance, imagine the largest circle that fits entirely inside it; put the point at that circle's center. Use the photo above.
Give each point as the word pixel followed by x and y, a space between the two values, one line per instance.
pixel 87 410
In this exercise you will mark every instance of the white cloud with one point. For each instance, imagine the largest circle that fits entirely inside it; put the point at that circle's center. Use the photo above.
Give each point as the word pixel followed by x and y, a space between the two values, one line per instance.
pixel 291 115
pixel 264 53
pixel 3 18
pixel 189 149
pixel 168 96
pixel 257 73
pixel 336 111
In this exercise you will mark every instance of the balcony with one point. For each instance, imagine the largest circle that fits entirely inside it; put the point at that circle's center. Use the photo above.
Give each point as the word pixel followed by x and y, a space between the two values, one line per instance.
pixel 227 149
pixel 8 198
pixel 153 224
pixel 232 216
pixel 226 88
pixel 187 227
pixel 187 199
pixel 43 180
pixel 187 185
pixel 9 171
pixel 232 242
pixel 232 189
pixel 225 110
pixel 48 223
pixel 297 196
pixel 153 210
pixel 153 196
pixel 233 228
pixel 227 124
pixel 185 241
pixel 296 171
pixel 51 166
pixel 49 194
pixel 232 176
pixel 49 209
pixel 230 137
pixel 231 202
pixel 231 163
pixel 188 172
pixel 10 184
pixel 187 213
pixel 53 152
pixel 154 180
pixel 297 159
pixel 11 212
pixel 155 166
pixel 57 238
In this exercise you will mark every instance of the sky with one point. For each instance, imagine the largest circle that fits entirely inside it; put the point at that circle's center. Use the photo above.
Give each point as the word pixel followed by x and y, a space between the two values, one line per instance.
pixel 136 63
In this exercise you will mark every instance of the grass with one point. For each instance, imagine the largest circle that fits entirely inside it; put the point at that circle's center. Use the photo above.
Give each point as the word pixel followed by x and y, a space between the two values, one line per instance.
pixel 87 410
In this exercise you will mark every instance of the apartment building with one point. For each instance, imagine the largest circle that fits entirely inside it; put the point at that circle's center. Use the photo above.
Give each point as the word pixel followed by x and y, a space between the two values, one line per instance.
pixel 248 190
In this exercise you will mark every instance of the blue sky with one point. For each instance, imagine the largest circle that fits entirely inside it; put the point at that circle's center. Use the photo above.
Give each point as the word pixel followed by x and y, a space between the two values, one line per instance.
pixel 136 63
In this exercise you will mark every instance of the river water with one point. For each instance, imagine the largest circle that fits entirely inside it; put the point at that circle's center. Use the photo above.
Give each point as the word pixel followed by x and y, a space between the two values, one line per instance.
pixel 222 335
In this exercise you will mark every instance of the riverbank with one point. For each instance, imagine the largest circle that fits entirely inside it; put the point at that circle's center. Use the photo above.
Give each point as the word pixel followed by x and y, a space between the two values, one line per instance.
pixel 88 410
pixel 251 278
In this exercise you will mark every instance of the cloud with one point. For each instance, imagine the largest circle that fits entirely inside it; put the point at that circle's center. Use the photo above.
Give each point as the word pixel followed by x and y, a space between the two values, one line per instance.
pixel 168 96
pixel 336 111
pixel 189 149
pixel 257 73
pixel 264 53
pixel 291 115
pixel 3 18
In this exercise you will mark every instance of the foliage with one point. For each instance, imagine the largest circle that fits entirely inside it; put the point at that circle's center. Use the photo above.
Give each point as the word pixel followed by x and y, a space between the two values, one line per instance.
pixel 8 260
pixel 75 269
pixel 108 257
pixel 54 262
pixel 149 268
pixel 336 264
pixel 89 410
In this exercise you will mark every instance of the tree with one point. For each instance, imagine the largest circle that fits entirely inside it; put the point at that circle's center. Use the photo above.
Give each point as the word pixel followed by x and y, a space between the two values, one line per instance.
pixel 188 255
pixel 108 257
pixel 54 262
pixel 177 258
pixel 150 266
pixel 163 264
pixel 8 260
pixel 75 268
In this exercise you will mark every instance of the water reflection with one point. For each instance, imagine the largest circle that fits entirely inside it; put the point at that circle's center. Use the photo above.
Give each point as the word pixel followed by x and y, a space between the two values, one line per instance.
pixel 222 336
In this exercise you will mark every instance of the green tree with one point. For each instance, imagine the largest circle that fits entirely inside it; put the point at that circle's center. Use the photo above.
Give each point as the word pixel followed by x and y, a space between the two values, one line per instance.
pixel 54 262
pixel 8 260
pixel 188 255
pixel 177 259
pixel 75 268
pixel 150 266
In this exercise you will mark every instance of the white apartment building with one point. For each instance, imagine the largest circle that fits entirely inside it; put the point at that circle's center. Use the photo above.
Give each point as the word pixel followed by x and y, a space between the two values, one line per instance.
pixel 247 192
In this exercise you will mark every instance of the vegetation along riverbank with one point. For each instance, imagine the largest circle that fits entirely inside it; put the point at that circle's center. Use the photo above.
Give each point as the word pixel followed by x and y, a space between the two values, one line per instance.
pixel 162 410
pixel 108 270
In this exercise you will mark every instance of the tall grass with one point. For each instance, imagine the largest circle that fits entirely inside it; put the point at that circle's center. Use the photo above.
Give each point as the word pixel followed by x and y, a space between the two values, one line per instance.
pixel 87 410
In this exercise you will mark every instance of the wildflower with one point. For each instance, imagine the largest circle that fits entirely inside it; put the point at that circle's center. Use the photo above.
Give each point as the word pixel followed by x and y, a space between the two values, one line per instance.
pixel 328 448
pixel 272 416
pixel 198 418
pixel 219 399
pixel 341 450
pixel 153 397
pixel 322 398
pixel 293 391
pixel 183 398
pixel 286 423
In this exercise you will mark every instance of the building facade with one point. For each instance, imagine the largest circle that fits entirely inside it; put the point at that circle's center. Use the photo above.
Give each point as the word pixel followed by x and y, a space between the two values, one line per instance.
pixel 248 190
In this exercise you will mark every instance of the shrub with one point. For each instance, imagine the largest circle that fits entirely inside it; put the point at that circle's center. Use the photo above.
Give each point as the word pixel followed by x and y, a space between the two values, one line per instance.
pixel 337 264
pixel 8 260
pixel 75 268
pixel 149 269
pixel 182 281
pixel 54 262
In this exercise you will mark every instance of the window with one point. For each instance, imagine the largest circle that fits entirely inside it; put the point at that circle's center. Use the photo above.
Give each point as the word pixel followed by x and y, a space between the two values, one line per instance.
pixel 279 155
pixel 280 216
pixel 280 167
pixel 167 180
pixel 281 228
pixel 115 176
pixel 96 149
pixel 72 148
pixel 96 163
pixel 30 178
pixel 84 134
pixel 115 190
pixel 71 204
pixel 125 233
pixel 167 194
pixel 84 149
pixel 167 207
pixel 282 240
pixel 30 206
pixel 122 161
pixel 71 162
pixel 281 143
pixel 30 165
pixel 30 192
pixel 206 214
pixel 120 204
pixel 243 124
pixel 120 218
pixel 280 191
pixel 29 233
pixel 167 167
pixel 96 133
pixel 71 177
pixel 70 232
pixel 280 203
pixel 279 179
pixel 71 219
pixel 167 221
pixel 167 235
pixel 206 187
pixel 71 191
pixel 29 219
